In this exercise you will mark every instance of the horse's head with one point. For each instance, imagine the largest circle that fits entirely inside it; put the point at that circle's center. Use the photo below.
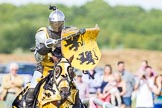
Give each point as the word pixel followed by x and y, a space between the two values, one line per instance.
pixel 63 74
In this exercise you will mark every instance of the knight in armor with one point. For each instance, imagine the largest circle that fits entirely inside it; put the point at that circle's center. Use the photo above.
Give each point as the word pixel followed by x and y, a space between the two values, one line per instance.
pixel 47 47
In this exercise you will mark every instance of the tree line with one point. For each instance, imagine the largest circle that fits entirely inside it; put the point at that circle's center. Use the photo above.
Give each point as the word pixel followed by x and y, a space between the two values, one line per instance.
pixel 120 27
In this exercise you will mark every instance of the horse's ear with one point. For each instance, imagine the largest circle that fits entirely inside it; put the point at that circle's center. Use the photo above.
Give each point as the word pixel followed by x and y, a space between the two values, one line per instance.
pixel 71 58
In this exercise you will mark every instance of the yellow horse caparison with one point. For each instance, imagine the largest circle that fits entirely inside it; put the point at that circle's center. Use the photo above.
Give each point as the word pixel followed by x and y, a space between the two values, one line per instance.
pixel 48 99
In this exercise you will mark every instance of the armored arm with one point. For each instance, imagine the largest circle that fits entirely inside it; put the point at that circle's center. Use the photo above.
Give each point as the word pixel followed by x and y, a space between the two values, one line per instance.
pixel 41 50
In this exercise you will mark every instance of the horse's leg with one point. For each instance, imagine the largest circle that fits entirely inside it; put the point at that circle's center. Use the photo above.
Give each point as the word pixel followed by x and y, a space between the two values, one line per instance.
pixel 78 103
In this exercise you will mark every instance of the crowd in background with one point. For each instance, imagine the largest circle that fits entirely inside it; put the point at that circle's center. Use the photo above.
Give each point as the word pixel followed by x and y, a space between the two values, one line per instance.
pixel 121 87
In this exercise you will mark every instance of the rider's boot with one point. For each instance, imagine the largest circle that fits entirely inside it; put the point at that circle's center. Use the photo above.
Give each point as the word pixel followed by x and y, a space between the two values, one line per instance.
pixel 30 96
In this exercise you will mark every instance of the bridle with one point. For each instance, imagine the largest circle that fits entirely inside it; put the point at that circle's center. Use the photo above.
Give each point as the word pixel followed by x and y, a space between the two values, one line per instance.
pixel 59 74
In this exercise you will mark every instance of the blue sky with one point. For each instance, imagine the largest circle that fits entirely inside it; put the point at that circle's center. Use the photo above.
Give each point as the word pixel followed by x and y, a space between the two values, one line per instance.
pixel 146 4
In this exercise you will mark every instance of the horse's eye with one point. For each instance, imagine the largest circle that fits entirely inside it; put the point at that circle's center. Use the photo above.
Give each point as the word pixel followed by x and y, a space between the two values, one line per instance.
pixel 70 69
pixel 57 71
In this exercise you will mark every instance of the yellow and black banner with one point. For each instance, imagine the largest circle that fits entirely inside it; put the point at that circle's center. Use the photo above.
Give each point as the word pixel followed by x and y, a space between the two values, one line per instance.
pixel 84 47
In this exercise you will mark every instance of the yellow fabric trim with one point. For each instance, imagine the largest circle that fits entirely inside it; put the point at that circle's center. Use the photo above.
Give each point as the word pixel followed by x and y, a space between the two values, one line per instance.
pixel 46 101
pixel 45 30
pixel 46 70
pixel 46 61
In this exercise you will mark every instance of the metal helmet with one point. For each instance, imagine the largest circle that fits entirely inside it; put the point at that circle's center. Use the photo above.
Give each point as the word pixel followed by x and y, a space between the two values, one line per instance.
pixel 56 20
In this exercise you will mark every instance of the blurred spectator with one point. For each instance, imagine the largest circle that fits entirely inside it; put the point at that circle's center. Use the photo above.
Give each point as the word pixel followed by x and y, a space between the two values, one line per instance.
pixel 130 82
pixel 143 66
pixel 107 76
pixel 93 79
pixel 12 85
pixel 113 91
pixel 157 90
pixel 105 96
pixel 150 77
pixel 81 85
pixel 116 88
pixel 144 85
pixel 121 85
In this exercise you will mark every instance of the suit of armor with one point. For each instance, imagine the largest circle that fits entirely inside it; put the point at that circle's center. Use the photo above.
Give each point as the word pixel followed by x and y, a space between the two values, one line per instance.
pixel 46 47
pixel 43 54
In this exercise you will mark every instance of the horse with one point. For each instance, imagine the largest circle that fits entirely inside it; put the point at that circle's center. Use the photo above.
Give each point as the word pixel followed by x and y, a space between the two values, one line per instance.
pixel 57 90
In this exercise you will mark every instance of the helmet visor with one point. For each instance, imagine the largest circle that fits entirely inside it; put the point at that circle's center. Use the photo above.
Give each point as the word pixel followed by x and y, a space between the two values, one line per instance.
pixel 57 26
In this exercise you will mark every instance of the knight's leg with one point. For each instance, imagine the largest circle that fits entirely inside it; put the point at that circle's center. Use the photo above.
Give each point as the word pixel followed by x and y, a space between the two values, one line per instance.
pixel 30 96
pixel 35 77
